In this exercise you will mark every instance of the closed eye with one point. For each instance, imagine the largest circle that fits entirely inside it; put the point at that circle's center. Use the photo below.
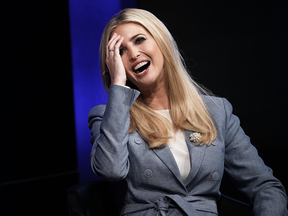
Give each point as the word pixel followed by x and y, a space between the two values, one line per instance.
pixel 121 51
pixel 140 40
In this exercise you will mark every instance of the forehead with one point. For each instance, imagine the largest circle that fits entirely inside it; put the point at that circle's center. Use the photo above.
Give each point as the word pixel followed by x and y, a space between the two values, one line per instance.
pixel 130 29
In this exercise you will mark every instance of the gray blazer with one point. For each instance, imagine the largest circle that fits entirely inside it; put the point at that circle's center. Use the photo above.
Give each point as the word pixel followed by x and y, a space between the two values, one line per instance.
pixel 155 186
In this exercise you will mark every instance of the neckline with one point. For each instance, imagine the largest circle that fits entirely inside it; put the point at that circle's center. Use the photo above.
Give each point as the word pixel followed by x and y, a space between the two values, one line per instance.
pixel 166 110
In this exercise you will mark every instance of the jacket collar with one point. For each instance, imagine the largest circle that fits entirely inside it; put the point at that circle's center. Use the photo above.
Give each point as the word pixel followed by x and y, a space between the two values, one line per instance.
pixel 196 155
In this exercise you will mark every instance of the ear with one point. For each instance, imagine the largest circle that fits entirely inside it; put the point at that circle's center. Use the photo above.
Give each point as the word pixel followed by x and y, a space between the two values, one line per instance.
pixel 106 69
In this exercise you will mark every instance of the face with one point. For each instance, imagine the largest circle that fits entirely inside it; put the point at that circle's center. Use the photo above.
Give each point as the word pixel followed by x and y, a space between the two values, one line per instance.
pixel 141 57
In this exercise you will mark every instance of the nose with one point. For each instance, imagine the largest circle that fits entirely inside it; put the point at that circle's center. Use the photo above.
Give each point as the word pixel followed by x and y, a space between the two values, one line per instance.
pixel 133 53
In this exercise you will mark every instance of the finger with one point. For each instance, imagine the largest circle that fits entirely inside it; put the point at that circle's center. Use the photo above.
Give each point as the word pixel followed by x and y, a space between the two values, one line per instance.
pixel 111 39
pixel 108 46
pixel 112 48
pixel 112 43
pixel 117 46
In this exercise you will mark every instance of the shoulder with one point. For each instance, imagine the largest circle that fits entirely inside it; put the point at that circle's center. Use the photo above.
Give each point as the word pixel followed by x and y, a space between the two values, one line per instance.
pixel 96 111
pixel 211 100
pixel 220 110
pixel 215 104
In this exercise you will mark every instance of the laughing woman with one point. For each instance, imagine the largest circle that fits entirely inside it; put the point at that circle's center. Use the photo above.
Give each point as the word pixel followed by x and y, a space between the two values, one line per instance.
pixel 161 133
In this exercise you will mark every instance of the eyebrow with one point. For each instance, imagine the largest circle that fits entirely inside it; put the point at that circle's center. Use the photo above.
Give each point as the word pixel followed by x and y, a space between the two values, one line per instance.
pixel 132 38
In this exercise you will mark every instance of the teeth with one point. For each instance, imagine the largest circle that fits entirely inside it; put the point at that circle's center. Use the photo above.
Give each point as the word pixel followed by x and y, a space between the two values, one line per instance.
pixel 141 72
pixel 140 65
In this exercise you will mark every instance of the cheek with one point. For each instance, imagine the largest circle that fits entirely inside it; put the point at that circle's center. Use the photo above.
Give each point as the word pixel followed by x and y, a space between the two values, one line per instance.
pixel 128 71
pixel 157 53
pixel 125 62
pixel 153 48
pixel 160 59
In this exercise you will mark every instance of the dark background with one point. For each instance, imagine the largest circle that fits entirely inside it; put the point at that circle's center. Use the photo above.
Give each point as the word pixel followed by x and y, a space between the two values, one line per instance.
pixel 237 49
pixel 38 149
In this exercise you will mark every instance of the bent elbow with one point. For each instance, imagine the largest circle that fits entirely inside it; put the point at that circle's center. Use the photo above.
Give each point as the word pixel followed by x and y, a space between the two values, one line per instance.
pixel 110 172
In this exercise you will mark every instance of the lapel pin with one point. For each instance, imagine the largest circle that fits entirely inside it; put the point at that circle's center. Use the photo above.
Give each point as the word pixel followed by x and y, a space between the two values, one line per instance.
pixel 195 137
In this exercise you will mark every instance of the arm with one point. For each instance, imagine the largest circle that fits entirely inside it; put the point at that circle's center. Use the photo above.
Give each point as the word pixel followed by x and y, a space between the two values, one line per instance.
pixel 249 172
pixel 109 129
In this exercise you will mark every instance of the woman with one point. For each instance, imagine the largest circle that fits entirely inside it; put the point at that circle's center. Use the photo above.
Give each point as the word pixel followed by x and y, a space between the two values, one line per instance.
pixel 164 135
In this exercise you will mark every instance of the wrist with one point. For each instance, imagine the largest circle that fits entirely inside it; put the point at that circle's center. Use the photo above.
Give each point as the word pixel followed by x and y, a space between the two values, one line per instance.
pixel 119 82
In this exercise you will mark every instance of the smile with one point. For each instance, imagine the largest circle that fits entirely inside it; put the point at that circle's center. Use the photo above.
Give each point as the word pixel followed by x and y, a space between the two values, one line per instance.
pixel 141 67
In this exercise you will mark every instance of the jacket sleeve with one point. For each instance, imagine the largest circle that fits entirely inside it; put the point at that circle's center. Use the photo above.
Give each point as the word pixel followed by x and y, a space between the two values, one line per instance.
pixel 109 130
pixel 249 173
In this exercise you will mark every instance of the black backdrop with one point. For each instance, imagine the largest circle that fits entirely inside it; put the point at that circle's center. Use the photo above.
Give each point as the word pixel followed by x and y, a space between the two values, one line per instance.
pixel 238 50
pixel 37 149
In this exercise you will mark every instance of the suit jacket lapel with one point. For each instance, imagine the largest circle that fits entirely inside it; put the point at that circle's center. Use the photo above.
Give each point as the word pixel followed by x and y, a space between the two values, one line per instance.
pixel 196 156
pixel 168 159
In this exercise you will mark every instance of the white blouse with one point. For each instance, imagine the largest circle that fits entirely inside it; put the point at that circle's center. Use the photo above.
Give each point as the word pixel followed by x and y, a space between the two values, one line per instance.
pixel 178 147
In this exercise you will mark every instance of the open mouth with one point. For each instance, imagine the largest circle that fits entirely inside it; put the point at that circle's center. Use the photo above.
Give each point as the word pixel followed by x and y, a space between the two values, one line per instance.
pixel 141 67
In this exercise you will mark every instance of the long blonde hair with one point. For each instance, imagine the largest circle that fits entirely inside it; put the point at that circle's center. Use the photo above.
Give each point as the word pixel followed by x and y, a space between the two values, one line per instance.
pixel 187 109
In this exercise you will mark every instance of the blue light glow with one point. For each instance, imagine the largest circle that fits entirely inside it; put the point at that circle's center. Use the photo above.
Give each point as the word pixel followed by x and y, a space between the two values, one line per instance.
pixel 87 21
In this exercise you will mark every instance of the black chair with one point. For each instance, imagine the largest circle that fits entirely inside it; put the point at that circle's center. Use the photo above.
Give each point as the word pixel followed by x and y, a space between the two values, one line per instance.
pixel 103 198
